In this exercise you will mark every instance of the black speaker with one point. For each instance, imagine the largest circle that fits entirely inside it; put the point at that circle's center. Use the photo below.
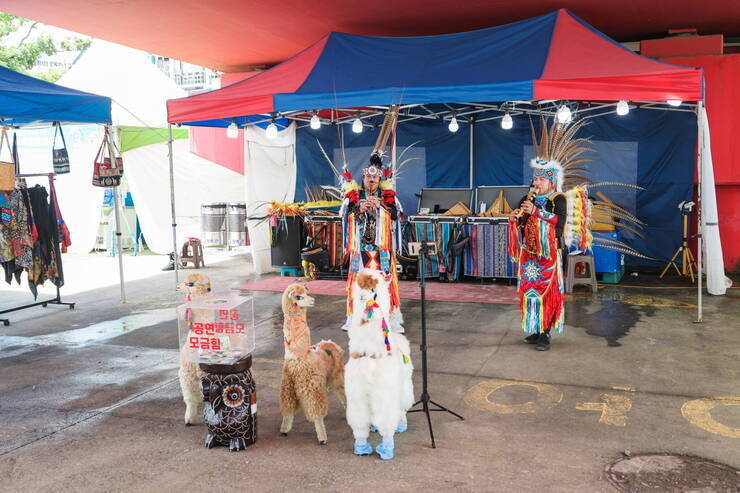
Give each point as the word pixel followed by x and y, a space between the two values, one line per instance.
pixel 439 200
pixel 487 195
pixel 286 249
pixel 318 256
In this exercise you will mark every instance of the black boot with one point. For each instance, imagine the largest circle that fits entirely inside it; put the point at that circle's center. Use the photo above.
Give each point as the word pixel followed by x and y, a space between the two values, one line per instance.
pixel 543 341
pixel 532 338
pixel 171 264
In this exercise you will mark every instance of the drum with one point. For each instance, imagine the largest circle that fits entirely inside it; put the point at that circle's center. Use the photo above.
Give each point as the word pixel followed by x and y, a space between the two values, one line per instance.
pixel 237 218
pixel 212 217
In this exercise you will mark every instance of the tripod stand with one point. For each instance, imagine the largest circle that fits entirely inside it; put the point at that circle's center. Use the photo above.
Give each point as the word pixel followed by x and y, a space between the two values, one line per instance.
pixel 687 258
pixel 425 400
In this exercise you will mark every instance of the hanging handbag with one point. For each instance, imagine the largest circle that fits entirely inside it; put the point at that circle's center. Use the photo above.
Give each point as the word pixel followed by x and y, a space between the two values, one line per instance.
pixel 7 168
pixel 107 171
pixel 60 157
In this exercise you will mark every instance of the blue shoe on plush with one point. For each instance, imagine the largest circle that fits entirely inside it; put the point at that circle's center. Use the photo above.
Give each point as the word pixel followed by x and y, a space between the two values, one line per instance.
pixel 402 426
pixel 373 429
pixel 363 448
pixel 385 451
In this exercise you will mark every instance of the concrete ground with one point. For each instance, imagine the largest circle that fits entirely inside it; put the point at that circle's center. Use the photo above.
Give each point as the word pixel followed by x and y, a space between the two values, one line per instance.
pixel 90 401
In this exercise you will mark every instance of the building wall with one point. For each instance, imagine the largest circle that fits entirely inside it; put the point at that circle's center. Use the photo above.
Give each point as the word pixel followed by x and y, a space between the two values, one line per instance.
pixel 722 77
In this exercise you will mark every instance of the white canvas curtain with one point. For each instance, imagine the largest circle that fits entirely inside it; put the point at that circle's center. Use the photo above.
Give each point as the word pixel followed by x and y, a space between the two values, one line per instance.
pixel 717 282
pixel 197 181
pixel 270 175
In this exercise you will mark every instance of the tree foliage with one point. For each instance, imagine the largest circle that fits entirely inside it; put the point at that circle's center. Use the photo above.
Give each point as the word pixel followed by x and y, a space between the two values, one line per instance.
pixel 20 49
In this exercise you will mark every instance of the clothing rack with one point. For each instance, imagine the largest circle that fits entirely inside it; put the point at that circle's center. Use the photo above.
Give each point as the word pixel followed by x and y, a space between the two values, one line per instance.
pixel 57 300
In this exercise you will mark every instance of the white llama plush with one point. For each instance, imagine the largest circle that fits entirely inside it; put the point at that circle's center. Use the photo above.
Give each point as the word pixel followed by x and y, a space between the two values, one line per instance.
pixel 378 375
pixel 195 286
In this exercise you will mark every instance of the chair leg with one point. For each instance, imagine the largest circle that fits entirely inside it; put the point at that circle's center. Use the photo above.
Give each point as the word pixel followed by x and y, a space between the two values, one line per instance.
pixel 569 275
pixel 592 271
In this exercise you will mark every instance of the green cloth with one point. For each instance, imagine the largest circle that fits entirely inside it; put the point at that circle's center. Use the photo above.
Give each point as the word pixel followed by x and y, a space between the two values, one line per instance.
pixel 133 137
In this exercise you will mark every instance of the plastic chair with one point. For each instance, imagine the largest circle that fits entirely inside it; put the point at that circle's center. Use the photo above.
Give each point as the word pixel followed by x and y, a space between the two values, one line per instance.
pixel 571 279
pixel 192 251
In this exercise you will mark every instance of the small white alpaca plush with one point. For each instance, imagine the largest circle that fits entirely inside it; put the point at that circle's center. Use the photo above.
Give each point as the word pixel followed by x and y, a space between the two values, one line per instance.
pixel 308 371
pixel 378 375
pixel 195 286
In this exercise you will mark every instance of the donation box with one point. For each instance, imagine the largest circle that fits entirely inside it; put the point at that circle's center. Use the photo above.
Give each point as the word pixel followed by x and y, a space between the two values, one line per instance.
pixel 216 329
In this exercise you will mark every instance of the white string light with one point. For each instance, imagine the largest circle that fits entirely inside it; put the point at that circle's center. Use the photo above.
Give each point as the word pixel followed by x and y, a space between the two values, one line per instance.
pixel 507 122
pixel 564 114
pixel 453 126
pixel 357 126
pixel 232 131
pixel 271 131
pixel 674 102
pixel 623 108
pixel 315 122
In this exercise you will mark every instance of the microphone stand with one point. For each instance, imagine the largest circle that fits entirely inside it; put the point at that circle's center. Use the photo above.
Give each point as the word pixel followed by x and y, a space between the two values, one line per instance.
pixel 425 399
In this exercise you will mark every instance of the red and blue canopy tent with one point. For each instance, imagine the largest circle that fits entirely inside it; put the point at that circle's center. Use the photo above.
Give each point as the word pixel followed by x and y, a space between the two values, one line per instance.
pixel 556 56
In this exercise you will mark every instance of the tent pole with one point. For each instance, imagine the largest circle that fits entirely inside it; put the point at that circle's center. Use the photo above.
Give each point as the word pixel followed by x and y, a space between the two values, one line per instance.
pixel 116 206
pixel 699 221
pixel 172 203
pixel 472 127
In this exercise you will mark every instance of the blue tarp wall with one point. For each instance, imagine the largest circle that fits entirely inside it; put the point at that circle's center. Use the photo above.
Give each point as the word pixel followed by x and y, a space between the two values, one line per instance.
pixel 649 148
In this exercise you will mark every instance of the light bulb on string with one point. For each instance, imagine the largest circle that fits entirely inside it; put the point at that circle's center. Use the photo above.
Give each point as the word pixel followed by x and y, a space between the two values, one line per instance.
pixel 623 108
pixel 674 102
pixel 564 115
pixel 357 126
pixel 507 122
pixel 453 126
pixel 271 131
pixel 232 131
pixel 315 122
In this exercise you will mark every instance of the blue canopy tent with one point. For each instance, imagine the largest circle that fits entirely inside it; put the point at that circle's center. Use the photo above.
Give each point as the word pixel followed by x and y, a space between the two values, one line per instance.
pixel 27 101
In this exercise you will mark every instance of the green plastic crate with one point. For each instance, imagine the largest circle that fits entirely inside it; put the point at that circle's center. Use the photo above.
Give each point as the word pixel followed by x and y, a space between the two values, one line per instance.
pixel 611 277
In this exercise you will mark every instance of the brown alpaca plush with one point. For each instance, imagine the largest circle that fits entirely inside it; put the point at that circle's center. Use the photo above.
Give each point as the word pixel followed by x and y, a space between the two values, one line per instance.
pixel 308 371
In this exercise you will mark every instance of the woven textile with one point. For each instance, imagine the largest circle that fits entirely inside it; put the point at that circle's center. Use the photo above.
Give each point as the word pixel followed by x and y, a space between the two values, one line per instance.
pixel 440 235
pixel 487 254
pixel 330 236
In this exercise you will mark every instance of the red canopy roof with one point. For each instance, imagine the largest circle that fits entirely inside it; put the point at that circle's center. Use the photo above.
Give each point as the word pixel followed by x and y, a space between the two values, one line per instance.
pixel 236 34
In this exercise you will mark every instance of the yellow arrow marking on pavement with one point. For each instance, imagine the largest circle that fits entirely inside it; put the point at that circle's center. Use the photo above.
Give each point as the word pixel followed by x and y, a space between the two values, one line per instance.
pixel 478 396
pixel 613 409
pixel 697 412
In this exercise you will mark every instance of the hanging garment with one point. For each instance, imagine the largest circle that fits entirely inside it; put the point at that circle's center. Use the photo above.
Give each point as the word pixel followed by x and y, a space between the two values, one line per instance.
pixel 45 256
pixel 16 236
pixel 65 239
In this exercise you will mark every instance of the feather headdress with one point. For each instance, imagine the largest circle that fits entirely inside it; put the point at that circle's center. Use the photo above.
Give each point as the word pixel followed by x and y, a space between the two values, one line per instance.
pixel 558 155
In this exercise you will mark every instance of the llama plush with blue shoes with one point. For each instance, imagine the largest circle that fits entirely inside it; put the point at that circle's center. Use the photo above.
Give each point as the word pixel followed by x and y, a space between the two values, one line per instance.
pixel 378 375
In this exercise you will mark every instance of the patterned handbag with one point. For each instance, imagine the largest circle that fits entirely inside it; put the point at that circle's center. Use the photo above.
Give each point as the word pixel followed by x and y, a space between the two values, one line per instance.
pixel 60 157
pixel 7 168
pixel 107 171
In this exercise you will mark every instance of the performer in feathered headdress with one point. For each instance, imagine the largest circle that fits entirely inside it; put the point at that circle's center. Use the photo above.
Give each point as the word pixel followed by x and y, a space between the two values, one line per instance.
pixel 553 220
pixel 536 228
pixel 370 214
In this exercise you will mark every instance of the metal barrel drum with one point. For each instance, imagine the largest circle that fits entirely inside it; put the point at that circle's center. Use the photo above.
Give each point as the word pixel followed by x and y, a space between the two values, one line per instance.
pixel 212 217
pixel 237 218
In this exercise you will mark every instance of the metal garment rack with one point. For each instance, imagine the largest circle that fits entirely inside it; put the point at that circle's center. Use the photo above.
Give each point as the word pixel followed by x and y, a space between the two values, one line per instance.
pixel 57 300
